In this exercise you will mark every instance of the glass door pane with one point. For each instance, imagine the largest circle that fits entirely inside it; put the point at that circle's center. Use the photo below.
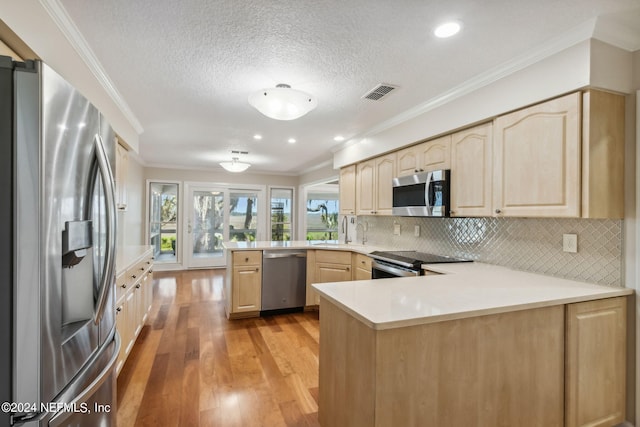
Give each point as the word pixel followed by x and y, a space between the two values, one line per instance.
pixel 243 217
pixel 206 227
pixel 281 220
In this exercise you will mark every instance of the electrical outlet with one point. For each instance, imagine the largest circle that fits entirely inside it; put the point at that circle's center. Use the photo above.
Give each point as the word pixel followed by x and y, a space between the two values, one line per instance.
pixel 416 230
pixel 396 229
pixel 570 243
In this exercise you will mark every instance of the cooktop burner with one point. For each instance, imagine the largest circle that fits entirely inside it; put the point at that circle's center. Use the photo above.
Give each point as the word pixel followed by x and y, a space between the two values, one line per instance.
pixel 414 258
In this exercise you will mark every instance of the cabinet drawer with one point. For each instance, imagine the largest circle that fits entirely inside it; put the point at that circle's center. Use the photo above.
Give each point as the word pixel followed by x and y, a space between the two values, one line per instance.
pixel 361 261
pixel 247 258
pixel 333 257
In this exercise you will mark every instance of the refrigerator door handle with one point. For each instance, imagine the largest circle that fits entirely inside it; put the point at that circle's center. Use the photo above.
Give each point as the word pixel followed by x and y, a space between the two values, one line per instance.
pixel 109 261
pixel 85 394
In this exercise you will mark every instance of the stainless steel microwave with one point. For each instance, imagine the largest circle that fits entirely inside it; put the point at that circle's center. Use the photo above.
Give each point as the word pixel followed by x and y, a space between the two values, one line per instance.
pixel 422 194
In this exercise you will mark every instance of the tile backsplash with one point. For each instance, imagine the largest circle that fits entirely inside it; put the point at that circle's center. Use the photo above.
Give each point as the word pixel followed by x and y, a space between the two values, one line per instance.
pixel 529 244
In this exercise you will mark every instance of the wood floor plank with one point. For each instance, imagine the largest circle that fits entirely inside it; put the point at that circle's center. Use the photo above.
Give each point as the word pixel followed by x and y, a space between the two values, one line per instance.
pixel 193 367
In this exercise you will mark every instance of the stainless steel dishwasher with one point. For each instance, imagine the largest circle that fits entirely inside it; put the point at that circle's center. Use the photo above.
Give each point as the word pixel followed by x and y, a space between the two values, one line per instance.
pixel 284 277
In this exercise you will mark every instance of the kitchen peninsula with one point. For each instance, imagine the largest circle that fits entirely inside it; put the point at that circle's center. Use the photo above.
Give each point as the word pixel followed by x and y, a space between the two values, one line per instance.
pixel 475 345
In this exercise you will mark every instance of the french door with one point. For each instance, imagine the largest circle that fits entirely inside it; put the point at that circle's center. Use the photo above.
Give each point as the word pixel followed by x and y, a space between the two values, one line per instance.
pixel 216 215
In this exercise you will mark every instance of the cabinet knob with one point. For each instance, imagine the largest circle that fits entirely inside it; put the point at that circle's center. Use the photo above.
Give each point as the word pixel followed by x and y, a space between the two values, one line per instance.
pixel 138 286
pixel 246 259
pixel 119 309
pixel 124 286
pixel 348 268
pixel 363 262
pixel 257 269
pixel 498 211
pixel 133 276
pixel 452 212
pixel 141 268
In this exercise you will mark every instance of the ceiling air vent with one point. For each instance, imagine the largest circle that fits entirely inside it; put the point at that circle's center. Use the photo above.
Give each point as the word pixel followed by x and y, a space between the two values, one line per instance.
pixel 379 92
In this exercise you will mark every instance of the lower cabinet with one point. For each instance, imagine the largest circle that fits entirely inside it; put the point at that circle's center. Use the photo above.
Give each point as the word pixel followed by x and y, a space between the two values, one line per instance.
pixel 134 294
pixel 595 376
pixel 244 276
pixel 361 266
pixel 549 366
pixel 326 266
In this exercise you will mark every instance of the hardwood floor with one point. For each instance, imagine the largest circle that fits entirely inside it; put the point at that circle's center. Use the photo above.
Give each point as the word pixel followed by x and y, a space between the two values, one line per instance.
pixel 192 367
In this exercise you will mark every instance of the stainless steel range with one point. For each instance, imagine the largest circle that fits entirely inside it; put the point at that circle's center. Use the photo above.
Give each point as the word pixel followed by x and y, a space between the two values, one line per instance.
pixel 404 263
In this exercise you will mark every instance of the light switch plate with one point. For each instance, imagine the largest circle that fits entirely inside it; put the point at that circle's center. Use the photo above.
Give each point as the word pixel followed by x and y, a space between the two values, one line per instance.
pixel 416 230
pixel 570 243
pixel 396 229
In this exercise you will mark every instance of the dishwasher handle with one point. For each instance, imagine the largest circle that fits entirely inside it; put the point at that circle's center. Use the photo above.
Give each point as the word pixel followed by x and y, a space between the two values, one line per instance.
pixel 283 254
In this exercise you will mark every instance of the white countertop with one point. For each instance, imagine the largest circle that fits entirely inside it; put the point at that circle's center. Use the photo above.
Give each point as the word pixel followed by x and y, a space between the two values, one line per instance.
pixel 128 255
pixel 463 290
pixel 301 244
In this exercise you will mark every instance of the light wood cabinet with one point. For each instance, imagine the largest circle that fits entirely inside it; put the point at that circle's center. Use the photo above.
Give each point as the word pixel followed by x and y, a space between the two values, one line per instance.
pixel 360 266
pixel 602 155
pixel 326 266
pixel 537 160
pixel 246 283
pixel 348 190
pixel 561 158
pixel 427 156
pixel 134 294
pixel 122 170
pixel 471 171
pixel 549 366
pixel 596 361
pixel 374 185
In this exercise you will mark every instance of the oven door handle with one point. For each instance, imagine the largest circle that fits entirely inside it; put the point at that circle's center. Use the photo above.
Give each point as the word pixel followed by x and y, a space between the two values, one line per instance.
pixel 396 271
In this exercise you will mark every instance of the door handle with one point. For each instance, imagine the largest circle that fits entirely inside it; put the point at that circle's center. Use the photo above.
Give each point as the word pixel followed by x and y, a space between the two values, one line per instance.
pixel 106 176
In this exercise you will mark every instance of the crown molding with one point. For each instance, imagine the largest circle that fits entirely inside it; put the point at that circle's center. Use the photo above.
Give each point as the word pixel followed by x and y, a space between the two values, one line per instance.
pixel 80 45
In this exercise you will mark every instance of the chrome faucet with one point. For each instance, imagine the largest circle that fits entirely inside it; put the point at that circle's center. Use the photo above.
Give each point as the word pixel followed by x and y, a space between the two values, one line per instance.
pixel 345 229
pixel 364 228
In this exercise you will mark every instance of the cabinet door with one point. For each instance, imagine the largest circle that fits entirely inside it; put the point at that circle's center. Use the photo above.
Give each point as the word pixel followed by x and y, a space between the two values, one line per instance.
pixel 471 173
pixel 596 361
pixel 129 337
pixel 537 160
pixel 348 190
pixel 122 167
pixel 121 326
pixel 365 180
pixel 435 154
pixel 408 160
pixel 332 272
pixel 247 287
pixel 385 171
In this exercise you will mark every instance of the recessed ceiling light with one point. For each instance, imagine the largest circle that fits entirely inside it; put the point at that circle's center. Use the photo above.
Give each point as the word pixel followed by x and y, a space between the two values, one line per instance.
pixel 447 29
pixel 291 141
pixel 339 138
pixel 257 136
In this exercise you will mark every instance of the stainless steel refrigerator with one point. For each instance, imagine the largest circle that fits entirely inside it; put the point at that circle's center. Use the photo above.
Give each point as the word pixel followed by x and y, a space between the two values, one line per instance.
pixel 58 343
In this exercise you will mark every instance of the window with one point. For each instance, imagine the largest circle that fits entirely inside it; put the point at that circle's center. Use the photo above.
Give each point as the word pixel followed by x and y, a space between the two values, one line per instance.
pixel 281 220
pixel 243 217
pixel 322 215
pixel 163 220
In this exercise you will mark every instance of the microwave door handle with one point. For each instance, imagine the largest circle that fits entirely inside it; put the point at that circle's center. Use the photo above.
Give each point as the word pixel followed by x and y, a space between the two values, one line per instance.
pixel 429 192
pixel 106 176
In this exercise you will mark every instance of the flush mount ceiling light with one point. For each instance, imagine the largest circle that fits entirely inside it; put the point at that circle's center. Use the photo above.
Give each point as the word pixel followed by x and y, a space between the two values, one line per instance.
pixel 234 165
pixel 282 102
pixel 447 29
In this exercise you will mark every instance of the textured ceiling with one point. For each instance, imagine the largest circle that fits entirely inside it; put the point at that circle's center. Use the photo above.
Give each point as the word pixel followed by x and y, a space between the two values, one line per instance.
pixel 187 67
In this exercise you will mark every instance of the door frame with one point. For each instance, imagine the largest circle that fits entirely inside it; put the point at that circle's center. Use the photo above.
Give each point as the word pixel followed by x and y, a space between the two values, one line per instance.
pixel 162 266
pixel 226 188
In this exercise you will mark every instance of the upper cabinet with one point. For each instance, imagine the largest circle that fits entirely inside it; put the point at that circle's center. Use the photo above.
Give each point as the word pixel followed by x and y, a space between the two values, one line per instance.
pixel 374 185
pixel 537 160
pixel 559 158
pixel 471 176
pixel 348 190
pixel 427 156
pixel 122 167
